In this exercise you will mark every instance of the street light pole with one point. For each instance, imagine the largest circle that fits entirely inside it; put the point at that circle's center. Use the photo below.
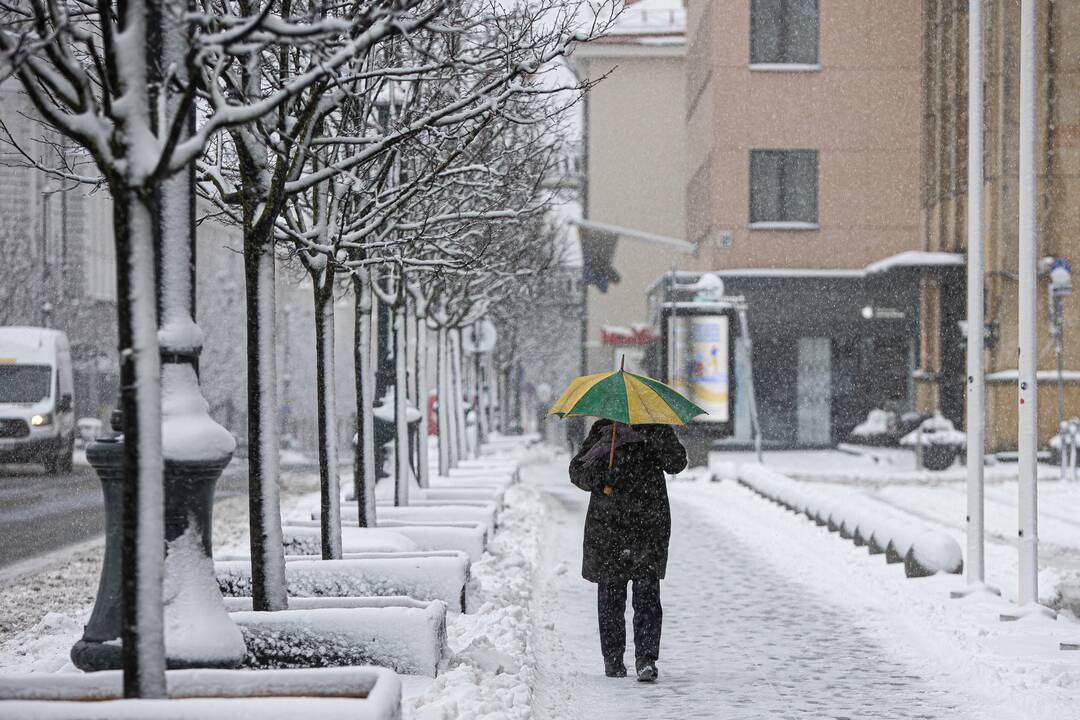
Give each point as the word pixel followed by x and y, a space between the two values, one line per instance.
pixel 975 567
pixel 1027 384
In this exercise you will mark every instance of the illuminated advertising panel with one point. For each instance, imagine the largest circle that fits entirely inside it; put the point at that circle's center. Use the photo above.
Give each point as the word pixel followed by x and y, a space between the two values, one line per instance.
pixel 700 357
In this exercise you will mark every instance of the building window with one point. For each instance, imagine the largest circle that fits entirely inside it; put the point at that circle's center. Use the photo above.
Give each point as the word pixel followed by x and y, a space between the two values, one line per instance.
pixel 784 32
pixel 783 188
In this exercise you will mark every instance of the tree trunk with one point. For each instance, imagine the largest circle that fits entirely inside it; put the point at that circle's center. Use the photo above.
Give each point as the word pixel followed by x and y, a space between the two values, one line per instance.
pixel 401 436
pixel 329 485
pixel 481 404
pixel 442 393
pixel 422 469
pixel 364 464
pixel 143 543
pixel 457 412
pixel 267 555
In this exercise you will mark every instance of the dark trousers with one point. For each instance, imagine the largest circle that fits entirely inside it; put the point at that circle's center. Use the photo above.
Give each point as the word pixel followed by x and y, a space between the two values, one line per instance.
pixel 648 617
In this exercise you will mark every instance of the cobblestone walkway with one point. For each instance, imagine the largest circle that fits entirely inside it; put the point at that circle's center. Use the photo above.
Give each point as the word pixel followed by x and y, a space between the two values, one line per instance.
pixel 739 641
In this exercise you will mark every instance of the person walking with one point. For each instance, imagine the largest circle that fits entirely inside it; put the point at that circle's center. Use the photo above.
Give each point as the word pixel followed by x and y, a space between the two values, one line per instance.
pixel 627 530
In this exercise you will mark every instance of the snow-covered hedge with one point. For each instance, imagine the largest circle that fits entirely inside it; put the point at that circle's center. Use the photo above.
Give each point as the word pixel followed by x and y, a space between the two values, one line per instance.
pixel 305 539
pixel 421 575
pixel 302 537
pixel 405 635
pixel 883 529
pixel 497 476
pixel 347 693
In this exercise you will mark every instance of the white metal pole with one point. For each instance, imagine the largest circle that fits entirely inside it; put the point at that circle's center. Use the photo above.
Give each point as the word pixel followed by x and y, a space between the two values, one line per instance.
pixel 1027 426
pixel 976 399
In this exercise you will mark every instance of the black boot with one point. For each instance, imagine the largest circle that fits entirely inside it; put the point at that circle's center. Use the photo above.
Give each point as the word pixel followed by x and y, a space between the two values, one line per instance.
pixel 646 671
pixel 614 668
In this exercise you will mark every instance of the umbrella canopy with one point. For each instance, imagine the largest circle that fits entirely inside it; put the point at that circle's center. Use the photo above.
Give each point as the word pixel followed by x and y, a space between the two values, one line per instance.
pixel 625 398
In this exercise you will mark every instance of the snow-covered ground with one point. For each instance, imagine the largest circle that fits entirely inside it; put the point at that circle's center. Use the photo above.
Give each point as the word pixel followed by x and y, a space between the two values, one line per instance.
pixel 766 614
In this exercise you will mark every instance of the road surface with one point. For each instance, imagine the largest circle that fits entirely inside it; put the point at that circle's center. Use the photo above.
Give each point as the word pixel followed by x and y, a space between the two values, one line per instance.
pixel 41 512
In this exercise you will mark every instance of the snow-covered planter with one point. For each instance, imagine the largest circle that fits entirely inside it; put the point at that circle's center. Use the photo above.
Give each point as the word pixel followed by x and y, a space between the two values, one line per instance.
pixel 902 538
pixel 405 635
pixel 306 539
pixel 879 428
pixel 467 537
pixel 346 693
pixel 448 493
pixel 940 442
pixel 470 538
pixel 501 477
pixel 485 513
pixel 424 576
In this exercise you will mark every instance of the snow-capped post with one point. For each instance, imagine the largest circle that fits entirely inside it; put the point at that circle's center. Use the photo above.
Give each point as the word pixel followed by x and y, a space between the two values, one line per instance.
pixel 442 400
pixel 420 304
pixel 364 462
pixel 457 369
pixel 975 567
pixel 395 299
pixel 1027 385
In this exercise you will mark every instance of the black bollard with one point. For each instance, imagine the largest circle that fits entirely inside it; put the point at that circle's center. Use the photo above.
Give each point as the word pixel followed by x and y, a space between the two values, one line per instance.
pixel 189 499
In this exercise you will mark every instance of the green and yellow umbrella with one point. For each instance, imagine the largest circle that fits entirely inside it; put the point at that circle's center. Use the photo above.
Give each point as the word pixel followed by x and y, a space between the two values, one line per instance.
pixel 625 398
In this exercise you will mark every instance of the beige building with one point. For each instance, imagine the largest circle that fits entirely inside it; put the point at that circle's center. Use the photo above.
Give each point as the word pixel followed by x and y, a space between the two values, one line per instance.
pixel 944 194
pixel 634 165
pixel 803 131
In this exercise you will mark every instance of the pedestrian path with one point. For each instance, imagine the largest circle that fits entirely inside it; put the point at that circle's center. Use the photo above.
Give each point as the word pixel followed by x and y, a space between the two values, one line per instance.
pixel 740 641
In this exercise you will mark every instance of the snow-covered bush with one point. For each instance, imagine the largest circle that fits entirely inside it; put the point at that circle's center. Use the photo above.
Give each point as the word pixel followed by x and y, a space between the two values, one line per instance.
pixel 940 442
pixel 935 430
pixel 424 576
pixel 877 429
pixel 408 637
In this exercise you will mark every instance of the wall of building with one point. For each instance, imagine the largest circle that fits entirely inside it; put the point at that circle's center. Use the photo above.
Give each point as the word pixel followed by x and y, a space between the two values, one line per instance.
pixel 635 165
pixel 944 186
pixel 859 108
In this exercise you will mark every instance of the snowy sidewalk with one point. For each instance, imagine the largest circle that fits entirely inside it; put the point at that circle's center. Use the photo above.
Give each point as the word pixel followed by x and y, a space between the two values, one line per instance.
pixel 741 639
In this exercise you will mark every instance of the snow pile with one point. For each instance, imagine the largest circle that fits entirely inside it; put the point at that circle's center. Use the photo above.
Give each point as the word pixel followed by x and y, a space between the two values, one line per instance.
pixel 196 625
pixel 878 422
pixel 901 537
pixel 187 430
pixel 936 430
pixel 44 647
pixel 491 672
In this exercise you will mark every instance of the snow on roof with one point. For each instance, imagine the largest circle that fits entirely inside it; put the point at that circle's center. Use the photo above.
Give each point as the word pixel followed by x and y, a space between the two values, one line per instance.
pixel 649 22
pixel 915 258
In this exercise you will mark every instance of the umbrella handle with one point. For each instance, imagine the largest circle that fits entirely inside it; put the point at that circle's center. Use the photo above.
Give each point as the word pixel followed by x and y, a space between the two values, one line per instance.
pixel 611 456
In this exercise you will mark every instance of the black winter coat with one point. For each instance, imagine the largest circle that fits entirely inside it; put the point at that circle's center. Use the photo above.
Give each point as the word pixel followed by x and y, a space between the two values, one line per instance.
pixel 627 532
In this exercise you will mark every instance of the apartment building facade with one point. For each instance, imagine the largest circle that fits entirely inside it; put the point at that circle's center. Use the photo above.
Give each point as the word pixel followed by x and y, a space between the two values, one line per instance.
pixel 802 192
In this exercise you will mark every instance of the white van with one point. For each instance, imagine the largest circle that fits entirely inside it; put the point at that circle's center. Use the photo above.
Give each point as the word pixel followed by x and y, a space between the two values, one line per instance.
pixel 37 408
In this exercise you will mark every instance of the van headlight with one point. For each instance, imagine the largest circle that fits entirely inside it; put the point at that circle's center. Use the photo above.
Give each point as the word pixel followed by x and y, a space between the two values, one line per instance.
pixel 41 420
